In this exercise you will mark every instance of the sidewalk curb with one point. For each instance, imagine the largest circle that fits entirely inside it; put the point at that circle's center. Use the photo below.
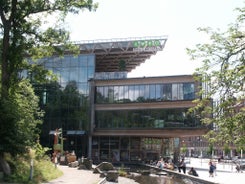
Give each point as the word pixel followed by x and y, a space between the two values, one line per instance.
pixel 102 181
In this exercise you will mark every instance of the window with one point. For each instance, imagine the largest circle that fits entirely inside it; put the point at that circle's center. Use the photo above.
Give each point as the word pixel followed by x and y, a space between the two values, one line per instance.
pixel 188 91
pixel 147 93
pixel 159 92
pixel 131 93
pixel 152 92
pixel 167 91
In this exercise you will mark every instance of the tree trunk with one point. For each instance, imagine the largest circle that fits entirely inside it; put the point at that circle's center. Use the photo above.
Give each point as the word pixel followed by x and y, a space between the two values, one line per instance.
pixel 4 57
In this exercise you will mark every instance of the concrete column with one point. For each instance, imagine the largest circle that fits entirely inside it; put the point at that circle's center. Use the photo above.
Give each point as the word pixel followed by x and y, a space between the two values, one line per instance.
pixel 90 146
pixel 92 123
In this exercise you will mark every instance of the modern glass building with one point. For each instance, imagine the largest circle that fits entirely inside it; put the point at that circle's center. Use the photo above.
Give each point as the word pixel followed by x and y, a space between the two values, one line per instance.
pixel 66 102
pixel 142 118
pixel 108 117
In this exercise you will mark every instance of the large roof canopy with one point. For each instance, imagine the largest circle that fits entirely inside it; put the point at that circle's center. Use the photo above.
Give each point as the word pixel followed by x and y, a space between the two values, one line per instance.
pixel 122 54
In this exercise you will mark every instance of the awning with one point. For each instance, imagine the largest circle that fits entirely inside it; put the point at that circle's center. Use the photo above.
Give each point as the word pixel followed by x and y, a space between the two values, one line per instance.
pixel 51 132
pixel 75 132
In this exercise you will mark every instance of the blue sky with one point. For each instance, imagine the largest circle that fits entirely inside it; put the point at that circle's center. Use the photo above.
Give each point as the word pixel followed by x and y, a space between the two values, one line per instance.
pixel 177 19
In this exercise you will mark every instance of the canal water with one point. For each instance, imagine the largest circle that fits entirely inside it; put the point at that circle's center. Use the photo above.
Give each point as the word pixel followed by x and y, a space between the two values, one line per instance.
pixel 158 180
pixel 145 175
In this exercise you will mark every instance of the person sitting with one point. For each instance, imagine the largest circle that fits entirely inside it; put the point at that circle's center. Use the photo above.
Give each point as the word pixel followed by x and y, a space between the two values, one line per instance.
pixel 192 172
pixel 171 166
pixel 168 166
pixel 160 163
pixel 238 168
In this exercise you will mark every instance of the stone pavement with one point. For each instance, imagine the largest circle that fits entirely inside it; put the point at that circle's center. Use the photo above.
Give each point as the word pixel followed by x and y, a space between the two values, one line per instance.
pixel 226 172
pixel 76 176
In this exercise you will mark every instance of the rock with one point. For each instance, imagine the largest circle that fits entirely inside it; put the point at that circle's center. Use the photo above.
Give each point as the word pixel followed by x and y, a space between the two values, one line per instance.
pixel 1 176
pixel 112 176
pixel 107 170
pixel 105 166
pixel 82 166
pixel 5 166
pixel 73 164
pixel 145 172
pixel 85 164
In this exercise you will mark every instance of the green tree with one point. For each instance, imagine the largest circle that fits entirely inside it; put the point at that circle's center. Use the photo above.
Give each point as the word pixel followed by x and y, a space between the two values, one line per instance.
pixel 223 75
pixel 184 149
pixel 226 149
pixel 210 149
pixel 24 33
pixel 19 117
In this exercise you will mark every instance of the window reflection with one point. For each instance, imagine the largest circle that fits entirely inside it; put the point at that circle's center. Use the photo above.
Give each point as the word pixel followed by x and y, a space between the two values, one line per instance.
pixel 152 92
pixel 145 93
pixel 131 93
pixel 65 101
pixel 150 118
pixel 158 93
pixel 167 91
pixel 188 90
pixel 146 89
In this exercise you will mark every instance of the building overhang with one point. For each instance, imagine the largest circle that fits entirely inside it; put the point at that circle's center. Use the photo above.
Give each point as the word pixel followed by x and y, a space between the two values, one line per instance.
pixel 152 105
pixel 75 132
pixel 122 54
pixel 160 133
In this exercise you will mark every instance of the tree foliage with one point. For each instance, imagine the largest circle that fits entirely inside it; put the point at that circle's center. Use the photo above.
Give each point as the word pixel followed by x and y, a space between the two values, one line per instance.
pixel 223 75
pixel 22 115
pixel 25 32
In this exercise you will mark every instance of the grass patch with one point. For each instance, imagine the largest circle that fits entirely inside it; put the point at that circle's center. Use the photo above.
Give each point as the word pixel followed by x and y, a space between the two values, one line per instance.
pixel 122 173
pixel 43 170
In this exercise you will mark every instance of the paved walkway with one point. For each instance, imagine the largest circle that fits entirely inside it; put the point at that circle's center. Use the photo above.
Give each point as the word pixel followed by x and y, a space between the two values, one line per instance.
pixel 75 176
pixel 226 174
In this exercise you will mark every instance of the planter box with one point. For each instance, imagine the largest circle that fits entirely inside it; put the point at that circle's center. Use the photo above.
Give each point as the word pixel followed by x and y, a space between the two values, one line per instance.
pixel 57 147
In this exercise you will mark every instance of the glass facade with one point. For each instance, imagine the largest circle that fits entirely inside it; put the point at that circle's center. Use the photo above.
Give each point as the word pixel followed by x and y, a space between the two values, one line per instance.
pixel 128 149
pixel 67 104
pixel 78 69
pixel 66 101
pixel 145 93
pixel 148 118
pixel 110 75
pixel 170 117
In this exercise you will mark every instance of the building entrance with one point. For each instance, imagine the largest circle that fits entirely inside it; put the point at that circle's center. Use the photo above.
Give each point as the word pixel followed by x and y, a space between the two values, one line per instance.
pixel 130 149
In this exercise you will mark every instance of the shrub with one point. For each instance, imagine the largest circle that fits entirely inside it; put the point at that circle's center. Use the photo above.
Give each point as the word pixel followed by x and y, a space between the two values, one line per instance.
pixel 43 169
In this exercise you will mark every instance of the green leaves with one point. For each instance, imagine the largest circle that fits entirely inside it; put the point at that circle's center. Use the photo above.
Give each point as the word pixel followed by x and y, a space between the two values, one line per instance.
pixel 26 32
pixel 223 74
pixel 20 116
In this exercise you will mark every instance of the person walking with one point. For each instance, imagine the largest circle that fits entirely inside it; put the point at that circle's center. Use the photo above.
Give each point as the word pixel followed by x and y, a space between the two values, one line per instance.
pixel 211 169
pixel 182 166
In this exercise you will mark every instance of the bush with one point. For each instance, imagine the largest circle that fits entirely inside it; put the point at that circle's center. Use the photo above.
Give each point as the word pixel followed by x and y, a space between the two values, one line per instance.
pixel 19 167
pixel 122 173
pixel 43 169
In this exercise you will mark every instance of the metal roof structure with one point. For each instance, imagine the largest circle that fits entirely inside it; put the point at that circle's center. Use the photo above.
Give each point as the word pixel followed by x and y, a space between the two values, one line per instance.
pixel 122 54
